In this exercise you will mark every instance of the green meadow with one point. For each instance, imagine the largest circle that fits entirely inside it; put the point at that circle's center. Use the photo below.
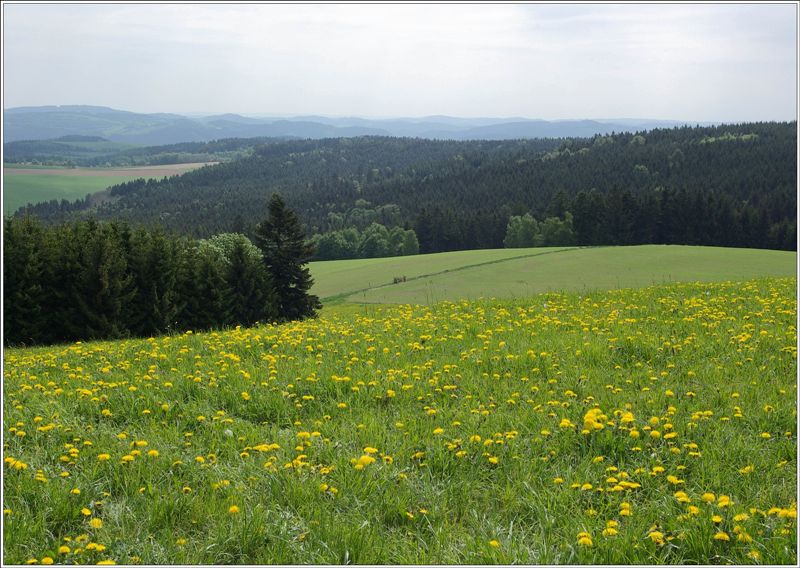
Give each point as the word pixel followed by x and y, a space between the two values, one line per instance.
pixel 638 426
pixel 516 273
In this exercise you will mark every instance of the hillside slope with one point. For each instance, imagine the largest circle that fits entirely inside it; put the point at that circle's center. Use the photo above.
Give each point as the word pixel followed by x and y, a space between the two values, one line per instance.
pixel 515 273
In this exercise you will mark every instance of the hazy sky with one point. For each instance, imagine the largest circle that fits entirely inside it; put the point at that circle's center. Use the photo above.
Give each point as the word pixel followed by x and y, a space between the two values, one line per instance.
pixel 688 62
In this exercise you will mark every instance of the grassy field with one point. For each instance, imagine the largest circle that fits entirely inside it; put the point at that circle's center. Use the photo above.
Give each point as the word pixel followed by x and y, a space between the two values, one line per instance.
pixel 23 185
pixel 628 426
pixel 510 273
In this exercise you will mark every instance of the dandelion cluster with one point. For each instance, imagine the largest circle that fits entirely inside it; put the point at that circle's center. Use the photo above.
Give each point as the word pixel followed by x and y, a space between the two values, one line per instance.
pixel 631 426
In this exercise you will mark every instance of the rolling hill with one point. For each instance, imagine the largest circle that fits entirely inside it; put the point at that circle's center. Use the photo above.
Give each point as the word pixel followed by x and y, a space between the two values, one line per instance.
pixel 722 186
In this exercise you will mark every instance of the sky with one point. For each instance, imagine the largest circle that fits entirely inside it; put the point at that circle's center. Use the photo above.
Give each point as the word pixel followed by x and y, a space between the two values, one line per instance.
pixel 721 62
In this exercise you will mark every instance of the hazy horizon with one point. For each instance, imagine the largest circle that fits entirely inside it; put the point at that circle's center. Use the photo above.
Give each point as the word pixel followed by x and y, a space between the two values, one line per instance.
pixel 686 63
pixel 261 114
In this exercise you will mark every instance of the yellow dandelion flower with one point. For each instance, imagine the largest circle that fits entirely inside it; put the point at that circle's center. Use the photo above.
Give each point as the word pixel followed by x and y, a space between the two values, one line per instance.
pixel 657 537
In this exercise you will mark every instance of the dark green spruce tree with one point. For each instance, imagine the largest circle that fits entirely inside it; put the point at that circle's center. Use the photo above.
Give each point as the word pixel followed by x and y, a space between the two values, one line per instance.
pixel 23 317
pixel 212 300
pixel 187 288
pixel 251 294
pixel 286 252
pixel 152 260
pixel 104 286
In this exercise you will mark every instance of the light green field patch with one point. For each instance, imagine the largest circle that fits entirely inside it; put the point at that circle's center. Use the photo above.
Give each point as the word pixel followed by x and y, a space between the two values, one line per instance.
pixel 452 276
pixel 19 190
pixel 24 185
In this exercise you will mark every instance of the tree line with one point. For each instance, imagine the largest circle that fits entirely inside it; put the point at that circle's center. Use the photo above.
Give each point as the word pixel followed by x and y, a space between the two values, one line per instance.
pixel 376 241
pixel 85 280
pixel 658 217
pixel 95 151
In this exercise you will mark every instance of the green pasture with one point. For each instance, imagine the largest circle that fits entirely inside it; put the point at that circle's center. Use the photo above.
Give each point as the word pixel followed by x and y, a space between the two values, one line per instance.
pixel 511 273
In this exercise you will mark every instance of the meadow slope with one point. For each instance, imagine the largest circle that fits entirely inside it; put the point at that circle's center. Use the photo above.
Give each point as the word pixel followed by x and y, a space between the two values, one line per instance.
pixel 516 273
pixel 629 426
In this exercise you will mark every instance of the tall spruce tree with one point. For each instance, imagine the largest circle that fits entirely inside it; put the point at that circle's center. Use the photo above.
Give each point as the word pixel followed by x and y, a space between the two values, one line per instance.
pixel 23 317
pixel 252 297
pixel 286 252
pixel 187 288
pixel 213 295
pixel 104 286
pixel 152 260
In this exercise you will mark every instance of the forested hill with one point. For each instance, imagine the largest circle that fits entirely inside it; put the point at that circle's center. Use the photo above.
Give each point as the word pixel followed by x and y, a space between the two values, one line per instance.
pixel 732 185
pixel 94 151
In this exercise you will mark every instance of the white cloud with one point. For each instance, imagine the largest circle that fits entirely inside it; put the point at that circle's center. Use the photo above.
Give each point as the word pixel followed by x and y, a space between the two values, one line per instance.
pixel 550 61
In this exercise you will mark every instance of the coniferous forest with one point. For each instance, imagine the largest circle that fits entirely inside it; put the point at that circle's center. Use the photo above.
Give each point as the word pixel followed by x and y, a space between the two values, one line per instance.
pixel 84 280
pixel 730 185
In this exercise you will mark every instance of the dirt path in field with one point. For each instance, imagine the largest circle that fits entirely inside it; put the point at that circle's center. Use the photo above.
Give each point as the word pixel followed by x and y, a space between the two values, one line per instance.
pixel 141 171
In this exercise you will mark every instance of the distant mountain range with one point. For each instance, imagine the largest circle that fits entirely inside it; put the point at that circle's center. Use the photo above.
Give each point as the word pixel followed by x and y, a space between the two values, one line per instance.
pixel 48 122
